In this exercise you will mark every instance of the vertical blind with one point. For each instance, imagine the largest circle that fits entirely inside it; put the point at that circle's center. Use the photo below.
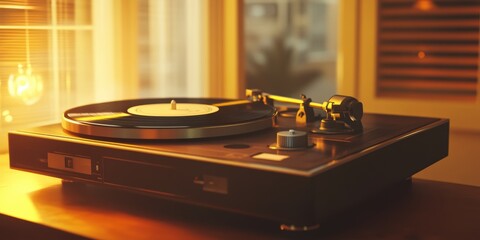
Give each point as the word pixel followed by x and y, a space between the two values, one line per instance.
pixel 428 49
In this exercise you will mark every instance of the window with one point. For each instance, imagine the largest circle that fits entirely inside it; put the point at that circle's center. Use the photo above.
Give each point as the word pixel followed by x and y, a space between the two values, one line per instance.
pixel 41 72
pixel 290 47
pixel 171 61
pixel 75 52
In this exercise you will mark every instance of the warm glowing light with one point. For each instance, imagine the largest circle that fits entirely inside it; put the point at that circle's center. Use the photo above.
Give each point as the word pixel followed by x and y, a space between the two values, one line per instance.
pixel 26 208
pixel 25 85
pixel 7 117
pixel 424 5
pixel 98 116
pixel 325 147
pixel 231 103
pixel 421 55
pixel 18 188
pixel 19 7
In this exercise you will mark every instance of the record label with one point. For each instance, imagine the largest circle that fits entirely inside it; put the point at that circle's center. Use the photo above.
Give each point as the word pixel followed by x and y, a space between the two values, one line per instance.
pixel 182 118
pixel 172 109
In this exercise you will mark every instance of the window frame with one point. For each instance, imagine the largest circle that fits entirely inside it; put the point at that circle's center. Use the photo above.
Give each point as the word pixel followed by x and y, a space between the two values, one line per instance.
pixel 113 22
pixel 223 48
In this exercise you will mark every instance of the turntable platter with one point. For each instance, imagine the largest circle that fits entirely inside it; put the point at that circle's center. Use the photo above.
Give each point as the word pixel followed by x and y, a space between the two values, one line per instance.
pixel 182 118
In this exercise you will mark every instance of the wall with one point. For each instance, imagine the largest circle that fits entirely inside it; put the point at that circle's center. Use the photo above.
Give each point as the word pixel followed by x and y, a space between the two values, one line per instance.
pixel 357 78
pixel 463 163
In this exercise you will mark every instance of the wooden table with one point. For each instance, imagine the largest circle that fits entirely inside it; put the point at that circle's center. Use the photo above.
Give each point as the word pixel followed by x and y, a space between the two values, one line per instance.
pixel 36 206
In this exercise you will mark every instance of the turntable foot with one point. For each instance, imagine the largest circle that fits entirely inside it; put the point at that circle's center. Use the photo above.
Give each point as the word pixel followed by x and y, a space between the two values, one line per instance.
pixel 295 228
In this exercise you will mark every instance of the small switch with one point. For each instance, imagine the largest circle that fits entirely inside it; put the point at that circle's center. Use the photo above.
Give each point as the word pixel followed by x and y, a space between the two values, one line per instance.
pixel 211 183
pixel 68 162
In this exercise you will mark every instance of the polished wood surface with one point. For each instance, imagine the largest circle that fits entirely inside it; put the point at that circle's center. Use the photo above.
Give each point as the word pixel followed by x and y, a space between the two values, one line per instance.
pixel 422 210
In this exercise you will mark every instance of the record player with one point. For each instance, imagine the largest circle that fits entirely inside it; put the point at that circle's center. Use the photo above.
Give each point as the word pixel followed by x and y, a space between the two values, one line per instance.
pixel 292 161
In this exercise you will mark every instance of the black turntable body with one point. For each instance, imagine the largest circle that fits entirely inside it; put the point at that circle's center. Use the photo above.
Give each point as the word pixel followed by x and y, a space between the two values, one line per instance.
pixel 254 173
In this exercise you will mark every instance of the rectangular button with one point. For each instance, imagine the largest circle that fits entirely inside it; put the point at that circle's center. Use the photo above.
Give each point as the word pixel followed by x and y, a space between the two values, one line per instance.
pixel 271 157
pixel 215 184
pixel 69 163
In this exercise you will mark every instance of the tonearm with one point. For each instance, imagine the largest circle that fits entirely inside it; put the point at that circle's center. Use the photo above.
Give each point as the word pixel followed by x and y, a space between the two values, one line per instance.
pixel 343 114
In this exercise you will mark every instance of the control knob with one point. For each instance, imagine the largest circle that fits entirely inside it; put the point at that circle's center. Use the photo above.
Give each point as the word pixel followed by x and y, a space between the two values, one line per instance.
pixel 291 140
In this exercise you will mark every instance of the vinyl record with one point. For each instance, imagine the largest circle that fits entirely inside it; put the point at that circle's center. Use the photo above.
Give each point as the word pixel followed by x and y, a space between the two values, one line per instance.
pixel 181 118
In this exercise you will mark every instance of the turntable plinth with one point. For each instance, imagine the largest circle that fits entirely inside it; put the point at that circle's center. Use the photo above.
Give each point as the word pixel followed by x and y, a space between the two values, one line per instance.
pixel 298 189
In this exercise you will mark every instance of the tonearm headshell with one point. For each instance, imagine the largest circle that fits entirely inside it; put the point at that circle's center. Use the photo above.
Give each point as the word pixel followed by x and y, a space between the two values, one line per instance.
pixel 343 114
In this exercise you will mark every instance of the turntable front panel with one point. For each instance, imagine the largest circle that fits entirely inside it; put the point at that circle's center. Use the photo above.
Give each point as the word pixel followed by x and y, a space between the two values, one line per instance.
pixel 241 173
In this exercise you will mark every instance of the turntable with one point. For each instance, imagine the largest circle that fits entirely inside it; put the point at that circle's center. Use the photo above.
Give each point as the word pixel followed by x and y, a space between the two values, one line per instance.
pixel 292 161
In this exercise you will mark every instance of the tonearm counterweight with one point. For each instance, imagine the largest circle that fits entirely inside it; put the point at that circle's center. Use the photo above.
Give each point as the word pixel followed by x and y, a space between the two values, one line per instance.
pixel 343 114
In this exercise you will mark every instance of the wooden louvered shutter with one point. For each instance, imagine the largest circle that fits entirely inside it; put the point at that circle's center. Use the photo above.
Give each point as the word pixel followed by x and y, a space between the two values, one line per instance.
pixel 428 49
